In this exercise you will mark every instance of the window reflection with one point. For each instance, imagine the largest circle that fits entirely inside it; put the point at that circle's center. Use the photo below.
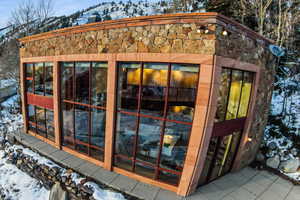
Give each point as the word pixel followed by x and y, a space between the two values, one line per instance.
pixel 148 139
pixel 175 144
pixel 182 92
pixel 82 82
pixel 147 142
pixel 50 125
pixel 246 92
pixel 99 84
pixel 98 127
pixel 41 121
pixel 68 124
pixel 29 78
pixel 155 78
pixel 31 113
pixel 128 86
pixel 84 86
pixel 234 95
pixel 125 134
pixel 81 126
pixel 39 79
pixel 223 94
pixel 48 79
pixel 67 80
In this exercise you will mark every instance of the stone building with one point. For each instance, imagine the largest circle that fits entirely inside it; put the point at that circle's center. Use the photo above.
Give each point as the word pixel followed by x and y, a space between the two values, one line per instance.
pixel 171 100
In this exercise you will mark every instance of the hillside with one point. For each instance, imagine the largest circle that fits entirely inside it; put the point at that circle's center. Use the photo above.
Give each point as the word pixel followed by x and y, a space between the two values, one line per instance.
pixel 101 12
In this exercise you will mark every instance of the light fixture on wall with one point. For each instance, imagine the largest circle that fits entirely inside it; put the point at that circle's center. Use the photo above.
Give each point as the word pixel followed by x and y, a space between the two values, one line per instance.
pixel 203 29
pixel 249 139
pixel 225 32
pixel 21 45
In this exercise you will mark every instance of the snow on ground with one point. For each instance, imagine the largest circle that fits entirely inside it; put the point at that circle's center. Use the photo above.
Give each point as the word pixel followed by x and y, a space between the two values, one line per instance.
pixel 17 185
pixel 7 82
pixel 30 188
pixel 279 140
pixel 10 118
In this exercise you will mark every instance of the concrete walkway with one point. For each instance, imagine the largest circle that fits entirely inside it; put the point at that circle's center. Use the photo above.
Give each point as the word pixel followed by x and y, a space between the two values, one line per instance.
pixel 247 184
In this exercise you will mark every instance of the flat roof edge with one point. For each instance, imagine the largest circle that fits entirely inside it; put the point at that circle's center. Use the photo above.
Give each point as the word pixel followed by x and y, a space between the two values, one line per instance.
pixel 142 21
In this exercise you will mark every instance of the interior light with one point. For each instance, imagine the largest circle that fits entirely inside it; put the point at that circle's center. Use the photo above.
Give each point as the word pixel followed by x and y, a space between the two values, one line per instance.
pixel 249 139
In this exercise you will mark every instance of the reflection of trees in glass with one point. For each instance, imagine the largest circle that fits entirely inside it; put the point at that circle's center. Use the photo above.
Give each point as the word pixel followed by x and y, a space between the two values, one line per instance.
pixel 155 147
pixel 234 94
pixel 84 113
pixel 82 82
pixel 39 79
pixel 223 94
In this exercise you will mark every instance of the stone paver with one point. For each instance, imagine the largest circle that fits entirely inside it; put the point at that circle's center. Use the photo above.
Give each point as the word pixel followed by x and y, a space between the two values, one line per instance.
pixel 104 176
pixel 47 150
pixel 88 169
pixel 145 191
pixel 73 162
pixel 167 195
pixel 124 183
pixel 247 184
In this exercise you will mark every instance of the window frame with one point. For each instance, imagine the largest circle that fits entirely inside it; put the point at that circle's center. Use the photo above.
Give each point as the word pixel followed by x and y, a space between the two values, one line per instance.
pixel 88 106
pixel 164 119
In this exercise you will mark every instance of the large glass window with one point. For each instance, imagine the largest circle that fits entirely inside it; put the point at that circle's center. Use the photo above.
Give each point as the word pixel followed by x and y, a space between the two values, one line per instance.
pixel 41 121
pixel 39 81
pixel 155 109
pixel 83 102
pixel 39 78
pixel 232 107
pixel 234 94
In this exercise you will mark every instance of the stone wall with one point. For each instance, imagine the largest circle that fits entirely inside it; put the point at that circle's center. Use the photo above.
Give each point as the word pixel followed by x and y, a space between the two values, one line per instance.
pixel 240 47
pixel 170 38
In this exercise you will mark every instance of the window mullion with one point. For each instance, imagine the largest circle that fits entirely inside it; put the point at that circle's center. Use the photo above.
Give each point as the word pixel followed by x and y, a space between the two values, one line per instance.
pixel 89 109
pixel 138 117
pixel 241 91
pixel 228 95
pixel 73 98
pixel 162 133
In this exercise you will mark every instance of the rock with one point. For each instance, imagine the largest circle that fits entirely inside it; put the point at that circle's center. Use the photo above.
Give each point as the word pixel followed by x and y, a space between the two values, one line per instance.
pixel 272 145
pixel 11 139
pixel 273 162
pixel 87 190
pixel 260 157
pixel 290 166
pixel 57 193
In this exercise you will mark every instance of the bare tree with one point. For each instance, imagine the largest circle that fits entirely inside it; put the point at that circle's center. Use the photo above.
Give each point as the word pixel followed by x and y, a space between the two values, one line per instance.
pixel 27 12
pixel 23 15
pixel 45 9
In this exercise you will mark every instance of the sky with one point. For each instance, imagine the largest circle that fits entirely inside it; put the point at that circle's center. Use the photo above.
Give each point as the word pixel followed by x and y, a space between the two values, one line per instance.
pixel 61 7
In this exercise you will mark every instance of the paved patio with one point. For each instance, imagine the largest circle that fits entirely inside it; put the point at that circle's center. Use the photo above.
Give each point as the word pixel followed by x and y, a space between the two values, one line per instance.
pixel 247 184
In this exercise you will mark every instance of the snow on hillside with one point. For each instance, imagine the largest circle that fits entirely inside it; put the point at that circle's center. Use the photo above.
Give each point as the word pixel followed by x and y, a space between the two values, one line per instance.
pixel 101 12
pixel 121 10
pixel 11 188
